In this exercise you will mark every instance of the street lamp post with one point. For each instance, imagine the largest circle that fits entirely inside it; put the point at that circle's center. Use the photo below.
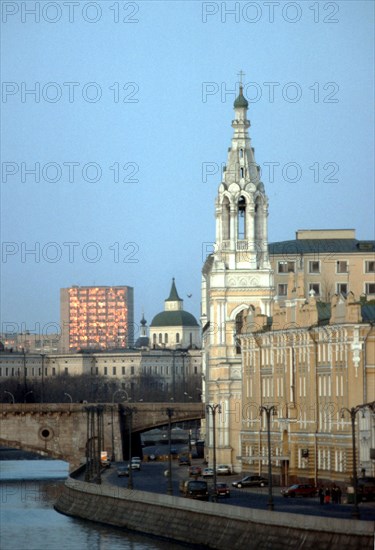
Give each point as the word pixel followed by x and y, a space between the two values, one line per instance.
pixel 12 396
pixel 173 375
pixel 24 370
pixel 130 411
pixel 352 412
pixel 26 394
pixel 269 410
pixel 213 409
pixel 67 395
pixel 170 413
pixel 183 355
pixel 42 391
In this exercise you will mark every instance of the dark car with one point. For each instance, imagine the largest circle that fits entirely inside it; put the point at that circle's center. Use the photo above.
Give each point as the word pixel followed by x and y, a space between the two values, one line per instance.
pixel 299 490
pixel 366 488
pixel 195 471
pixel 222 490
pixel 183 460
pixel 250 481
pixel 194 489
pixel 123 471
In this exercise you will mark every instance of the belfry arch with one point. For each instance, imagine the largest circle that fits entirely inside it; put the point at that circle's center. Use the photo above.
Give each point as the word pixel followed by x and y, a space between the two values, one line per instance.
pixel 225 213
pixel 241 218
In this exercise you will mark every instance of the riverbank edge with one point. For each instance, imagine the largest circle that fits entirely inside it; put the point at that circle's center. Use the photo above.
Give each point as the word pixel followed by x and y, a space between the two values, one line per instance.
pixel 204 523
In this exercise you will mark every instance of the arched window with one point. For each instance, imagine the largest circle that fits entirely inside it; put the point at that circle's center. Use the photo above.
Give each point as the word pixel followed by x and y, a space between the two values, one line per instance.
pixel 241 153
pixel 154 338
pixel 242 172
pixel 165 338
pixel 258 227
pixel 239 326
pixel 241 218
pixel 226 219
pixel 177 338
pixel 160 338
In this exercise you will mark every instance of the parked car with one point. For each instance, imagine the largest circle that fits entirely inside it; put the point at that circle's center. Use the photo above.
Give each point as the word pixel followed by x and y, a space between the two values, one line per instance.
pixel 250 481
pixel 299 490
pixel 208 472
pixel 104 459
pixel 222 490
pixel 223 469
pixel 184 460
pixel 366 488
pixel 123 471
pixel 194 489
pixel 195 471
pixel 135 463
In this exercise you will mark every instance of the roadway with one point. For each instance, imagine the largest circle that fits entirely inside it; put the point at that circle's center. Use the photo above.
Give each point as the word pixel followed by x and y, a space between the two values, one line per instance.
pixel 151 478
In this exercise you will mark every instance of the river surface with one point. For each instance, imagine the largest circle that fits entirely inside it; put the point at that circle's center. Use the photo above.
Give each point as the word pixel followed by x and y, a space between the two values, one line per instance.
pixel 28 521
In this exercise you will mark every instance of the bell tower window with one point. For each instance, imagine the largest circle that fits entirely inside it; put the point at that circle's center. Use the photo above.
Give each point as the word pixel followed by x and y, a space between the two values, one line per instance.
pixel 241 219
pixel 226 219
pixel 258 220
pixel 242 172
pixel 241 153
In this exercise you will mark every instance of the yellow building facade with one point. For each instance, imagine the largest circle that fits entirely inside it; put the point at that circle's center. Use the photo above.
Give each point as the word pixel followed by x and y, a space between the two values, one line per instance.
pixel 333 262
pixel 311 362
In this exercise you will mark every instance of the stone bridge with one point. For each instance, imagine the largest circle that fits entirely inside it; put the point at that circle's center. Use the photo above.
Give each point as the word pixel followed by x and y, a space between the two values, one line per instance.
pixel 59 430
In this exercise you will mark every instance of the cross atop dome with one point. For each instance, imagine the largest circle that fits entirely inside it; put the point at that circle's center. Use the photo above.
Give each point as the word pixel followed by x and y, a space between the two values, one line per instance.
pixel 240 75
pixel 241 102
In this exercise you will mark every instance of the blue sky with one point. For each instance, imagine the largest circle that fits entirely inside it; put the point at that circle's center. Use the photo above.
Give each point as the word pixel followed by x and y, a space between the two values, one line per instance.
pixel 132 119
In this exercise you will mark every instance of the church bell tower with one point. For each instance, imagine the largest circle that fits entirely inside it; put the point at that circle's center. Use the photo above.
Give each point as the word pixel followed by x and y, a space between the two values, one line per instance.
pixel 237 282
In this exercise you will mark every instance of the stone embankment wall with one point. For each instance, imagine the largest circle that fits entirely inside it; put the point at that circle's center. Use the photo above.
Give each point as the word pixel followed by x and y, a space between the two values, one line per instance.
pixel 209 524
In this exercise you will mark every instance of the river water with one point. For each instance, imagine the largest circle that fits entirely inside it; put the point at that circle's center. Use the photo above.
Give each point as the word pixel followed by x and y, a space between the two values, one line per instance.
pixel 28 521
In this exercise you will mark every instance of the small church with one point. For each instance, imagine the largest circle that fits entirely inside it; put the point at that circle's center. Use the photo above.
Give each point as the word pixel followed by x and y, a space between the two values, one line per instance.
pixel 174 328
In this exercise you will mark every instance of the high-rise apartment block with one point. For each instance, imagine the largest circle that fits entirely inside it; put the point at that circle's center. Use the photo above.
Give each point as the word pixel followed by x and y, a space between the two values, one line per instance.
pixel 96 317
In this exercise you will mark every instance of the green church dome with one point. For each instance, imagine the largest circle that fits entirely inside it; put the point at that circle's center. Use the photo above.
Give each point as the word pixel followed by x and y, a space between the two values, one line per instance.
pixel 174 319
pixel 241 100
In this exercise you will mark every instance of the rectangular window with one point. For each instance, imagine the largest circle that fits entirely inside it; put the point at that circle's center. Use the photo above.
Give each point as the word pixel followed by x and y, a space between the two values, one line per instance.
pixel 370 288
pixel 282 289
pixel 105 371
pixel 314 267
pixel 315 287
pixel 66 370
pixel 114 371
pixel 342 288
pixel 370 266
pixel 131 370
pixel 286 267
pixel 123 370
pixel 53 371
pixel 342 266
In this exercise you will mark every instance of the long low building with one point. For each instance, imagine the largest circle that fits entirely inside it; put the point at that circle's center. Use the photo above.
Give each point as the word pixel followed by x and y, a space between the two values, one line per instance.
pixel 171 367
